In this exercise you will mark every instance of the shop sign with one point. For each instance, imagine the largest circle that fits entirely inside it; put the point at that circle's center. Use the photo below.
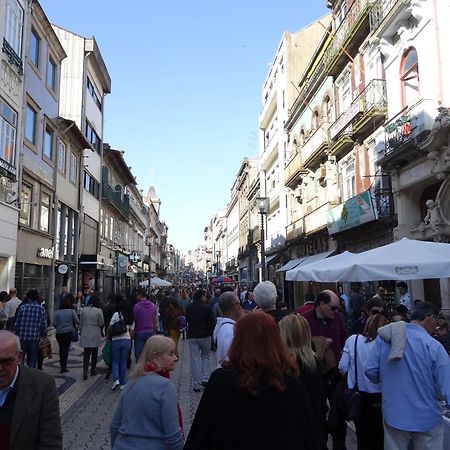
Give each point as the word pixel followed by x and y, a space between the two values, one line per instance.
pixel 135 257
pixel 46 253
pixel 10 169
pixel 122 264
pixel 352 213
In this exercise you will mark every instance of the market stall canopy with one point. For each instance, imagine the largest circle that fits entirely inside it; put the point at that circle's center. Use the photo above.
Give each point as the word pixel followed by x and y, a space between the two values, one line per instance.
pixel 221 279
pixel 159 282
pixel 302 261
pixel 407 259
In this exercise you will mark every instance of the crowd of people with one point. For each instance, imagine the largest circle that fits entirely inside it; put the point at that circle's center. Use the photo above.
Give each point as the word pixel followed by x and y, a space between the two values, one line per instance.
pixel 280 373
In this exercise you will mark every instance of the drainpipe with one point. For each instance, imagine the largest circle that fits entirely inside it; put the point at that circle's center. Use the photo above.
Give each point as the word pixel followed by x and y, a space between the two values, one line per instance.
pixel 439 53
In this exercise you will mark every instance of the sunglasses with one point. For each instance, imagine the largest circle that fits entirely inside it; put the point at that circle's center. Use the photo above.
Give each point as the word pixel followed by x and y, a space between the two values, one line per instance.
pixel 376 311
pixel 334 308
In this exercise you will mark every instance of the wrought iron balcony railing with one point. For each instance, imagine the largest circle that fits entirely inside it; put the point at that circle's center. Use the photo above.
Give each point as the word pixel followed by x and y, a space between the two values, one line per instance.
pixel 13 57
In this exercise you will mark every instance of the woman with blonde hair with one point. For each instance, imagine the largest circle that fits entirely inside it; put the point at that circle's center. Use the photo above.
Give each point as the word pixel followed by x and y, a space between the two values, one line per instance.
pixel 147 416
pixel 296 336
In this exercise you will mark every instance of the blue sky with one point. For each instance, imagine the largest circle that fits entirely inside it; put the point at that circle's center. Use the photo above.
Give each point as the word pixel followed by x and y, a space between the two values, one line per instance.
pixel 187 78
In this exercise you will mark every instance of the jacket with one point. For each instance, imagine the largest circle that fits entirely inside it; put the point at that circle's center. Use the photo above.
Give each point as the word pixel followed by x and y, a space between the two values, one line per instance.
pixel 200 320
pixel 144 313
pixel 91 323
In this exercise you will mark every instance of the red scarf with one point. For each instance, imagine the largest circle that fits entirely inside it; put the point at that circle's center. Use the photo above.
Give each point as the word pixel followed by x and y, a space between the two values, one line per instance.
pixel 149 367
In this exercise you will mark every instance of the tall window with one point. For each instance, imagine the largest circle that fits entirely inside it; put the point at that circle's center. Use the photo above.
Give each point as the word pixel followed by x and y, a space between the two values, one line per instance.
pixel 409 77
pixel 51 74
pixel 33 51
pixel 345 96
pixel 25 205
pixel 73 169
pixel 92 137
pixel 349 179
pixel 48 143
pixel 315 120
pixel 91 90
pixel 61 156
pixel 14 26
pixel 44 219
pixel 30 124
pixel 8 127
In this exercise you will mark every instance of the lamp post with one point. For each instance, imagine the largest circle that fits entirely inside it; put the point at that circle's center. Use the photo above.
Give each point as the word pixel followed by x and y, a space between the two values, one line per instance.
pixel 263 207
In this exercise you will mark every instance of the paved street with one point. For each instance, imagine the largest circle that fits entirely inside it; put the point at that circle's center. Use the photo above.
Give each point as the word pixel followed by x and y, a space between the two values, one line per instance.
pixel 87 406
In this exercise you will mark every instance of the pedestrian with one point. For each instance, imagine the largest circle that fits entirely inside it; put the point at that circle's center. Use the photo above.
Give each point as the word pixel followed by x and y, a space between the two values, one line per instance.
pixel 147 416
pixel 266 298
pixel 249 303
pixel 296 336
pixel 374 306
pixel 356 301
pixel 224 331
pixel 91 323
pixel 29 409
pixel 145 317
pixel 369 427
pixel 4 298
pixel 200 326
pixel 255 401
pixel 11 308
pixel 328 329
pixel 30 325
pixel 405 296
pixel 173 314
pixel 65 322
pixel 406 355
pixel 120 344
pixel 59 298
pixel 442 335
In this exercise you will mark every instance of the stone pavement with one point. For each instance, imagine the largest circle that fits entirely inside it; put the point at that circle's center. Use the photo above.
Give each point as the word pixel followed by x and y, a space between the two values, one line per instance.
pixel 87 406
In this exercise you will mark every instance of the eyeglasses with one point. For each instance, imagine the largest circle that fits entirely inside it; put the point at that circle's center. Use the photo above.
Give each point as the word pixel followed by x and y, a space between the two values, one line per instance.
pixel 376 311
pixel 334 308
pixel 7 361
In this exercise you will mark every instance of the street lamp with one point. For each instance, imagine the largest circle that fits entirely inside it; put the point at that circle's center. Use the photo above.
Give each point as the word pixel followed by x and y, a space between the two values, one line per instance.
pixel 263 206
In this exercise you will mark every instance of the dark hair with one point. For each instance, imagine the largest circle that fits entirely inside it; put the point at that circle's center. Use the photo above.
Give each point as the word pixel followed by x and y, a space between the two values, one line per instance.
pixel 174 302
pixel 33 295
pixel 401 309
pixel 199 293
pixel 372 325
pixel 67 302
pixel 4 296
pixel 258 351
pixel 323 297
pixel 443 326
pixel 374 303
pixel 141 292
pixel 423 310
pixel 402 284
pixel 94 301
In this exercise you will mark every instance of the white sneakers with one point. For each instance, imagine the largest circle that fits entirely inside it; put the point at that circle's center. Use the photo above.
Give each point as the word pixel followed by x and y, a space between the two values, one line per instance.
pixel 122 387
pixel 115 384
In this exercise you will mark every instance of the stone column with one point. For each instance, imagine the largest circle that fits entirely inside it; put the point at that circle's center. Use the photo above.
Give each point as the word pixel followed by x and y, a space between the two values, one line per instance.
pixel 445 296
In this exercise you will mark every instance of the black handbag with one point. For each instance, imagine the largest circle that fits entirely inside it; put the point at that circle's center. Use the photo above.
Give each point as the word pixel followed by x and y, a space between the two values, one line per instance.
pixel 118 327
pixel 349 400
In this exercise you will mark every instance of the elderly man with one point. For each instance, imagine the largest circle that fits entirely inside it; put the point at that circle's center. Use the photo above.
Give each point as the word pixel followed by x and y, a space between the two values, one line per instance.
pixel 404 354
pixel 224 331
pixel 266 298
pixel 29 409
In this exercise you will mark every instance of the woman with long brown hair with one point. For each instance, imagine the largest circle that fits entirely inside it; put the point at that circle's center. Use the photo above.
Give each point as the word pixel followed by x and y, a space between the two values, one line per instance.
pixel 255 400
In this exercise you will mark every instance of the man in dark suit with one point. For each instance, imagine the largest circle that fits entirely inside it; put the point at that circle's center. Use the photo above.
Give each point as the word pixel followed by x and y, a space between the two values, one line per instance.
pixel 29 408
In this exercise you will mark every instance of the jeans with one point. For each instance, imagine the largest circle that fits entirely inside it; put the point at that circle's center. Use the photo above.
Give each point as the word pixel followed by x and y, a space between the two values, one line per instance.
pixel 395 439
pixel 120 349
pixel 30 349
pixel 199 349
pixel 139 341
pixel 64 340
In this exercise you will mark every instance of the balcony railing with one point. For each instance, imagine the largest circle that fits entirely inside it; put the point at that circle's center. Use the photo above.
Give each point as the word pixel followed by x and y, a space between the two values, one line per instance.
pixel 380 10
pixel 374 95
pixel 13 57
pixel 315 141
pixel 292 169
pixel 295 229
pixel 383 202
pixel 115 199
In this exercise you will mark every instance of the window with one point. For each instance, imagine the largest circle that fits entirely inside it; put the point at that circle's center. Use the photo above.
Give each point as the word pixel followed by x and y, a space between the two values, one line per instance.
pixel 51 74
pixel 44 218
pixel 91 90
pixel 349 180
pixel 315 120
pixel 48 143
pixel 61 156
pixel 345 94
pixel 73 169
pixel 91 185
pixel 25 205
pixel 92 137
pixel 8 127
pixel 30 124
pixel 14 26
pixel 33 51
pixel 102 225
pixel 409 77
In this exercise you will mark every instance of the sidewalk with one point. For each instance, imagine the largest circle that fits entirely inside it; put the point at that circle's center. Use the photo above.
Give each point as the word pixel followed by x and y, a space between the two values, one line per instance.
pixel 87 406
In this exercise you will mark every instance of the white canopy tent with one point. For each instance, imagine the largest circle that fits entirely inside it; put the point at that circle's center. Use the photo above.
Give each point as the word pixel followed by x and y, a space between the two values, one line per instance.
pixel 159 282
pixel 406 259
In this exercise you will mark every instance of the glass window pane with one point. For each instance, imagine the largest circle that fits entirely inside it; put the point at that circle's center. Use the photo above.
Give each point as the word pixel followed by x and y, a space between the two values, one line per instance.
pixel 51 74
pixel 61 156
pixel 45 212
pixel 48 143
pixel 33 51
pixel 30 124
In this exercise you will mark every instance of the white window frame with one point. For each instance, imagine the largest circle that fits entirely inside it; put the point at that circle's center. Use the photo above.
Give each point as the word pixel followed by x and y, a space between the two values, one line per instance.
pixel 14 26
pixel 73 169
pixel 348 178
pixel 44 212
pixel 8 130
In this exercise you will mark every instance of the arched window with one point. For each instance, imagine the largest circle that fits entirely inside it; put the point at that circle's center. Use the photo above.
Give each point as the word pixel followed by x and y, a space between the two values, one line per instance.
pixel 409 77
pixel 315 120
pixel 294 146
pixel 326 109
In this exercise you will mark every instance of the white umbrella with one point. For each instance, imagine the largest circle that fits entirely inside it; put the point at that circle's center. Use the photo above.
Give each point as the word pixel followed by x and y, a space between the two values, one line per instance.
pixel 407 259
pixel 156 282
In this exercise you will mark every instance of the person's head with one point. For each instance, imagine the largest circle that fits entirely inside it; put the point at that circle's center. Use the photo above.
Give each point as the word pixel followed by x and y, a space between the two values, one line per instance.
pixel 64 289
pixel 258 351
pixel 13 292
pixel 265 295
pixel 217 293
pixel 10 357
pixel 402 287
pixel 249 296
pixel 4 297
pixel 173 303
pixel 159 352
pixel 442 329
pixel 94 301
pixel 141 294
pixel 200 295
pixel 381 291
pixel 230 305
pixel 327 304
pixel 33 295
pixel 425 314
pixel 374 306
pixel 86 288
pixel 400 312
pixel 373 323
pixel 296 335
pixel 67 302
pixel 79 294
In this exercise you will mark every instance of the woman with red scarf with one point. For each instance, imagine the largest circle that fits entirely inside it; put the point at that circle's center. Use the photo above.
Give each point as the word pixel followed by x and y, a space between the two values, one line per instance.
pixel 148 416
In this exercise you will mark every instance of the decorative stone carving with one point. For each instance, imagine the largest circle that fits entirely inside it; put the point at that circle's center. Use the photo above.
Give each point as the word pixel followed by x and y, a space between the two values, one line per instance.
pixel 433 218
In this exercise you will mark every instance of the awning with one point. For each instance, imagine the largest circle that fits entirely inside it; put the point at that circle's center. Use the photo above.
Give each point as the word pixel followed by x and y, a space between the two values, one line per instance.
pixel 267 260
pixel 306 260
pixel 291 264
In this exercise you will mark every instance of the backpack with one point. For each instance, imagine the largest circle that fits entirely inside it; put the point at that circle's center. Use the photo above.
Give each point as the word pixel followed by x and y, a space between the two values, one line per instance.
pixel 181 322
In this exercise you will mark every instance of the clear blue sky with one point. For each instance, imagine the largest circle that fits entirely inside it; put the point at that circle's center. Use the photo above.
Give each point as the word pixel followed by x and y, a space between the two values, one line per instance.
pixel 187 78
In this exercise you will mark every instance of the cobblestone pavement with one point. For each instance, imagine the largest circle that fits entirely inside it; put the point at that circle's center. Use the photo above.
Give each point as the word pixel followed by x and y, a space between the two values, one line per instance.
pixel 87 406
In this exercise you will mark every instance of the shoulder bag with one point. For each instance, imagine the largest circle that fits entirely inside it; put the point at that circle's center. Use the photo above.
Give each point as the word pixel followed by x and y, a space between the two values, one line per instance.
pixel 118 328
pixel 349 400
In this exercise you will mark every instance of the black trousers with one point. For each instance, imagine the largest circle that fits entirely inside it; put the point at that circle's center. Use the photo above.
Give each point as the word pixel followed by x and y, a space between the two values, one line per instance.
pixel 64 340
pixel 369 429
pixel 336 425
pixel 92 354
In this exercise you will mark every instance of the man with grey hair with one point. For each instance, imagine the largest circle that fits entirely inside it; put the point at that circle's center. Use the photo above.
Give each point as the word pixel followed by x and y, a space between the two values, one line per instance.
pixel 29 409
pixel 265 294
pixel 224 331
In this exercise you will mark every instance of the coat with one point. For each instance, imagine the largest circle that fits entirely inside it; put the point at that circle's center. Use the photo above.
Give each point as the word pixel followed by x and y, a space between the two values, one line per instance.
pixel 36 422
pixel 91 323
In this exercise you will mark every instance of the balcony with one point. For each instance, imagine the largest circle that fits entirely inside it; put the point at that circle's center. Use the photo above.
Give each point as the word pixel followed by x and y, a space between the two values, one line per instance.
pixel 367 109
pixel 406 130
pixel 13 57
pixel 315 217
pixel 295 230
pixel 293 172
pixel 385 10
pixel 351 32
pixel 122 205
pixel 314 146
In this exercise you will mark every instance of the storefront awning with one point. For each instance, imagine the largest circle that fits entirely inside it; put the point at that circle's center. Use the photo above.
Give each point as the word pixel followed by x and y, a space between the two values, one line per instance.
pixel 306 260
pixel 267 260
pixel 291 264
